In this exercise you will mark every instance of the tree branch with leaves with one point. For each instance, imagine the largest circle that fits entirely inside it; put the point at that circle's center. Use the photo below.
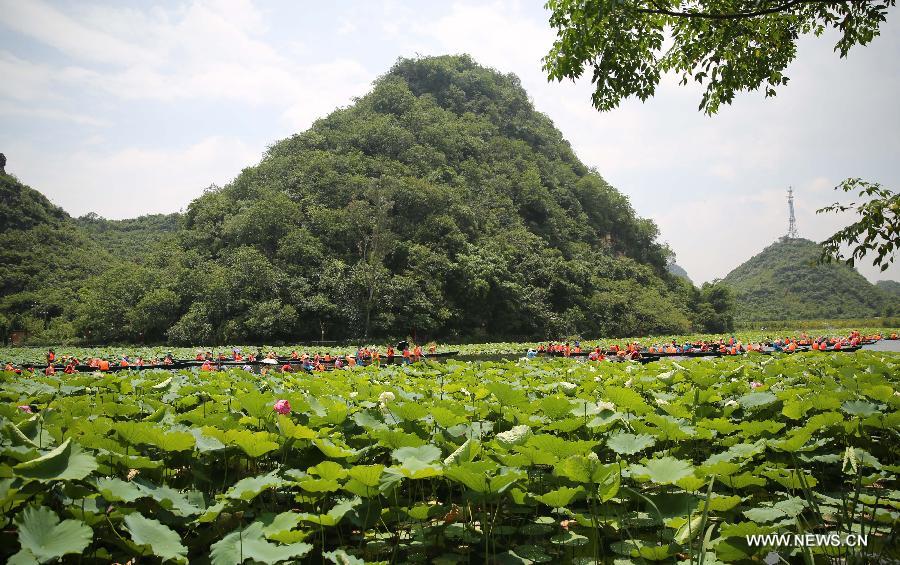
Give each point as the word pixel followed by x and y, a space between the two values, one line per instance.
pixel 730 46
pixel 876 231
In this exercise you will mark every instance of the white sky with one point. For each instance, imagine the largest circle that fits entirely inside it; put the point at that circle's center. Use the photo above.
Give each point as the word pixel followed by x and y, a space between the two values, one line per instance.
pixel 124 109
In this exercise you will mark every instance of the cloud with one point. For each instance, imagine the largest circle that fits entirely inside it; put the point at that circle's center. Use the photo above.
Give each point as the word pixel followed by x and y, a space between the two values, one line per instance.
pixel 208 50
pixel 130 182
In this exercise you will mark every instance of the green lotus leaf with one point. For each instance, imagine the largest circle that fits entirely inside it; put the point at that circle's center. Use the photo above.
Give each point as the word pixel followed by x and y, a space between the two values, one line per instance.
pixel 281 525
pixel 341 557
pixel 117 490
pixel 367 475
pixel 756 400
pixel 329 449
pixel 569 539
pixel 464 453
pixel 46 538
pixel 474 480
pixel 66 462
pixel 860 408
pixel 764 514
pixel 249 488
pixel 250 543
pixel 328 470
pixel 664 471
pixel 626 400
pixel 424 453
pixel 414 468
pixel 743 529
pixel 410 411
pixel 395 439
pixel 173 441
pixel 333 516
pixel 254 444
pixel 628 444
pixel 205 443
pixel 517 435
pixel 530 554
pixel 173 500
pixel 163 541
pixel 561 497
pixel 319 485
pixel 638 548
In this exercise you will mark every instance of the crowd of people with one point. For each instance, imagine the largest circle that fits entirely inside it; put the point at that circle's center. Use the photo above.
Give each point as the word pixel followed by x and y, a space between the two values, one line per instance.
pixel 406 353
pixel 209 361
pixel 722 346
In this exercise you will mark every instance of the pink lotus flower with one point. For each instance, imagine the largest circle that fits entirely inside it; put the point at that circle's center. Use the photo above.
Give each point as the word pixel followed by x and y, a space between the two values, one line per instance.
pixel 755 384
pixel 26 408
pixel 282 407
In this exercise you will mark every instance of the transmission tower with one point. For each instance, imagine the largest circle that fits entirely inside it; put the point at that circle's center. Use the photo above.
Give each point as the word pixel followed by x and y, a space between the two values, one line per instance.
pixel 792 221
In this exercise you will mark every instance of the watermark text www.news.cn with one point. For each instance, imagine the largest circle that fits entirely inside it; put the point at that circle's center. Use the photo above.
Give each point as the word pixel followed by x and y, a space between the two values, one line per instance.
pixel 808 540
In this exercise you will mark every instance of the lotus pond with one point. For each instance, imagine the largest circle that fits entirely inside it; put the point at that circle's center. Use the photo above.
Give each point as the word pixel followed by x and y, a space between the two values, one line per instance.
pixel 547 461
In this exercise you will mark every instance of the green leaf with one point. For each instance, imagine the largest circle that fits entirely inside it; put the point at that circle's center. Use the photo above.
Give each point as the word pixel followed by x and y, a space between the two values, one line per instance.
pixel 367 475
pixel 41 533
pixel 249 488
pixel 341 557
pixel 764 514
pixel 328 470
pixel 464 453
pixel 664 471
pixel 561 497
pixel 755 400
pixel 66 462
pixel 860 408
pixel 424 453
pixel 163 541
pixel 515 436
pixel 117 490
pixel 629 444
pixel 249 543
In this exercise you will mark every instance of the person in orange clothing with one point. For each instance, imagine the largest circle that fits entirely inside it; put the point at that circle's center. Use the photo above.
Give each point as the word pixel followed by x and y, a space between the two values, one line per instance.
pixel 406 356
pixel 103 365
pixel 417 353
pixel 49 371
pixel 351 360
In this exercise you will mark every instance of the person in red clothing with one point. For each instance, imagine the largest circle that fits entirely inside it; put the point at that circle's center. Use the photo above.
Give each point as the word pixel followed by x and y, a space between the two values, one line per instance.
pixel 70 368
pixel 49 371
pixel 286 368
pixel 406 356
pixel 51 356
pixel 390 354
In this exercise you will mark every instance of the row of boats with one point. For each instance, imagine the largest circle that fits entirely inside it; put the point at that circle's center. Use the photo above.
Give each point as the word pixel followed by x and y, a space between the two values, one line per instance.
pixel 403 354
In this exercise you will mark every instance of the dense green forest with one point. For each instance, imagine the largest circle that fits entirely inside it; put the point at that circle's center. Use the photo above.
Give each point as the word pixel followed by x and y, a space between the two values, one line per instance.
pixel 440 205
pixel 132 239
pixel 786 282
pixel 890 287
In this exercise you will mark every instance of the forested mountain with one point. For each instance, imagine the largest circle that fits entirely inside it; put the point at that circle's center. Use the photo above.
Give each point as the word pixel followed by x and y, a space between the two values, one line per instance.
pixel 441 205
pixel 45 260
pixel 132 239
pixel 786 282
pixel 678 271
pixel 890 287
